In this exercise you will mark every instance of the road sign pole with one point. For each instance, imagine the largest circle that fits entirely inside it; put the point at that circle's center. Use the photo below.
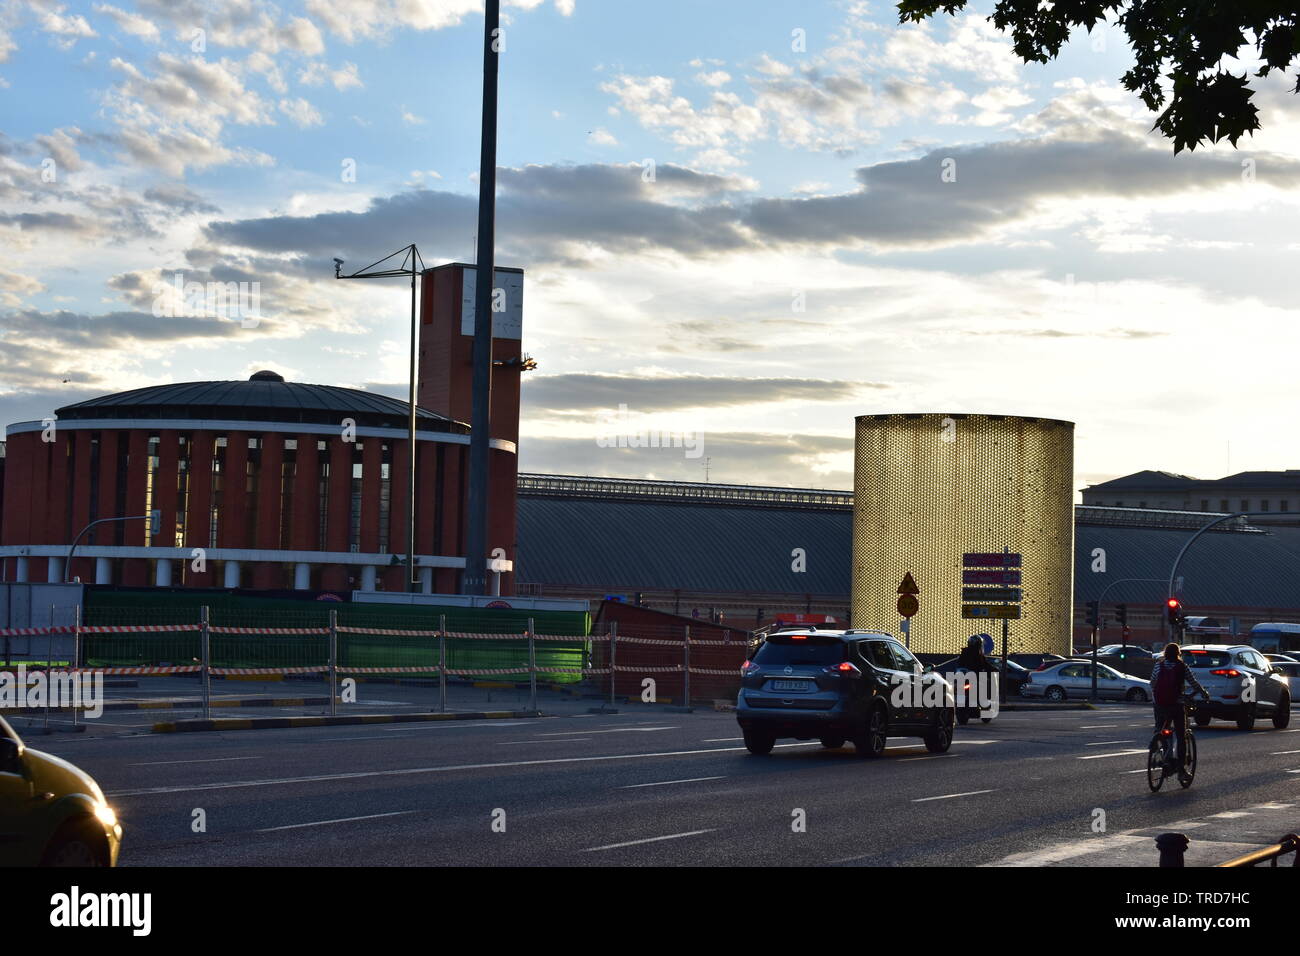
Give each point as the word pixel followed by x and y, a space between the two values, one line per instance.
pixel 1095 628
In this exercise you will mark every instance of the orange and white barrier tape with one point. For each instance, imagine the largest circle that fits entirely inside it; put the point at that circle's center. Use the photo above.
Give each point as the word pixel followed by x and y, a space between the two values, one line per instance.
pixel 268 670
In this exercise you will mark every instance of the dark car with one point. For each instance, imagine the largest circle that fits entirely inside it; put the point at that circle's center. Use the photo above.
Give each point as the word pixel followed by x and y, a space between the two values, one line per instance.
pixel 837 686
pixel 1016 674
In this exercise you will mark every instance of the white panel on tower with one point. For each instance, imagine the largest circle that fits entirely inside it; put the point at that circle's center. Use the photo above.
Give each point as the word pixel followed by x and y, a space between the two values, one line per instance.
pixel 508 323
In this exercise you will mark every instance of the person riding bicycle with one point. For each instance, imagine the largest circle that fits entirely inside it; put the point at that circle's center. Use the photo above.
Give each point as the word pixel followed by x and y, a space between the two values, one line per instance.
pixel 1167 680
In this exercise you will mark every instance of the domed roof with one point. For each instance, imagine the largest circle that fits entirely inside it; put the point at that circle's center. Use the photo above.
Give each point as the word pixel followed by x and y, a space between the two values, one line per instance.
pixel 266 397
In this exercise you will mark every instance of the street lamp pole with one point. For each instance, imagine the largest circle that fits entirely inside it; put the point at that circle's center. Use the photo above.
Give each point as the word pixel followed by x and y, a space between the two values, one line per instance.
pixel 412 265
pixel 474 580
pixel 152 516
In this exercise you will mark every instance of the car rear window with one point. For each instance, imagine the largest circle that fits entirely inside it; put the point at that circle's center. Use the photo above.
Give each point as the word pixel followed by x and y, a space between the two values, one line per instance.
pixel 1200 659
pixel 781 650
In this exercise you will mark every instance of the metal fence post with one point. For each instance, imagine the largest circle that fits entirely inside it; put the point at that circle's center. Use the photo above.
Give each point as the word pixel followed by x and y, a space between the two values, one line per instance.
pixel 686 670
pixel 532 667
pixel 76 664
pixel 442 663
pixel 334 662
pixel 49 669
pixel 205 653
pixel 613 657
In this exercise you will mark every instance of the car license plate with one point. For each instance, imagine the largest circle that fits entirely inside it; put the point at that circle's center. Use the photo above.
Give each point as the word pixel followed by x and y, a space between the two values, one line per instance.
pixel 789 685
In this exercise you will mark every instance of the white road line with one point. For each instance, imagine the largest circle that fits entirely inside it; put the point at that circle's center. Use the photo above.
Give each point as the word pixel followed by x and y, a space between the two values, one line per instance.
pixel 671 836
pixel 567 740
pixel 949 796
pixel 1279 753
pixel 1096 726
pixel 321 823
pixel 719 740
pixel 410 771
pixel 1103 743
pixel 160 763
pixel 664 783
pixel 976 741
pixel 931 757
pixel 1121 753
pixel 620 730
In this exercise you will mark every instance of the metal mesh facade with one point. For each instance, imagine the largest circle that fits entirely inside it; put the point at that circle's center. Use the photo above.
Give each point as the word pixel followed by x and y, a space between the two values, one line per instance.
pixel 930 488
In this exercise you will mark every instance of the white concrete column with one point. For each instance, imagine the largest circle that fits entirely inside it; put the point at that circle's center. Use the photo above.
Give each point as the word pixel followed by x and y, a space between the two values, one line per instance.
pixel 496 583
pixel 54 570
pixel 103 571
pixel 163 573
pixel 367 577
pixel 302 576
pixel 20 573
pixel 232 574
pixel 426 580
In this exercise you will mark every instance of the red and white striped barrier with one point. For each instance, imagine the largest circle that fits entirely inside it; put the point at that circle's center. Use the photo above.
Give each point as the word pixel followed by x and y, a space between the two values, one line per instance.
pixel 267 630
pixel 429 669
pixel 623 668
pixel 268 670
pixel 97 629
pixel 389 631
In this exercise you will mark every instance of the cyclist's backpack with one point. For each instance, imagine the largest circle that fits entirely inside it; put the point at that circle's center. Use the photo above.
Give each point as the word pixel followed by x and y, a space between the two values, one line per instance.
pixel 1167 683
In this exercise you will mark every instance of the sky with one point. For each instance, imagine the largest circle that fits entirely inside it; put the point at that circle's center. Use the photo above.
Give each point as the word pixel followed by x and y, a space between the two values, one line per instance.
pixel 741 223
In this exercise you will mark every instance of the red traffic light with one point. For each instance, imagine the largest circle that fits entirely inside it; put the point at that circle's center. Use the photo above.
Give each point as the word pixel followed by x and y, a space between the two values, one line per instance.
pixel 1173 603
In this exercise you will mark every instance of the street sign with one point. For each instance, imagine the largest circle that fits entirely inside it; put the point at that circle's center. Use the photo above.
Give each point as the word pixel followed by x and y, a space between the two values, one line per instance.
pixel 908 585
pixel 992 594
pixel 976 560
pixel 990 577
pixel 907 605
pixel 1010 612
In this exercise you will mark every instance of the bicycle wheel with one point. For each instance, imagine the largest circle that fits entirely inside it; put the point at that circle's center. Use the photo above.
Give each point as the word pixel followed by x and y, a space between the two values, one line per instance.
pixel 1189 764
pixel 1155 765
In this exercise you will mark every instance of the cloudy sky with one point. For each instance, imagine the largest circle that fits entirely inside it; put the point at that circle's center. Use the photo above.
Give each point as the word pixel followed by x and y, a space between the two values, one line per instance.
pixel 741 222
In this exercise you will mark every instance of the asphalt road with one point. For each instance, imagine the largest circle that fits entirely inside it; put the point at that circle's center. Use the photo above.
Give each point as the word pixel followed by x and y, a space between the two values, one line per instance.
pixel 651 787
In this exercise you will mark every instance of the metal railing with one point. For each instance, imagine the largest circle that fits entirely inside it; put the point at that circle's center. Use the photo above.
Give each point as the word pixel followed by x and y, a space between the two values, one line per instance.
pixel 1269 854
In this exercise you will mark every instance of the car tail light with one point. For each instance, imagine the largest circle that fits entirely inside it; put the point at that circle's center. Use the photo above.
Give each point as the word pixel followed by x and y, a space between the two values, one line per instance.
pixel 1166 732
pixel 842 669
pixel 1227 672
pixel 750 669
pixel 798 637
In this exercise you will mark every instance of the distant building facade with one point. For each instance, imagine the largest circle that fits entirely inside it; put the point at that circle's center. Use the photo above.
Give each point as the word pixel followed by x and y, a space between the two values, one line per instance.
pixel 1275 494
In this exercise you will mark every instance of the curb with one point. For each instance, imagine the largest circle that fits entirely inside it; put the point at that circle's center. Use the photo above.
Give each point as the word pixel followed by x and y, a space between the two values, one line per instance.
pixel 182 704
pixel 271 723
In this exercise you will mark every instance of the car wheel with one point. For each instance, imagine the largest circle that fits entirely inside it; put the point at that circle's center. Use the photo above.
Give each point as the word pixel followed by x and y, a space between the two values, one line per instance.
pixel 871 741
pixel 758 743
pixel 986 720
pixel 1203 720
pixel 832 743
pixel 939 739
pixel 1055 694
pixel 1247 719
pixel 1021 690
pixel 1136 696
pixel 76 844
pixel 1282 712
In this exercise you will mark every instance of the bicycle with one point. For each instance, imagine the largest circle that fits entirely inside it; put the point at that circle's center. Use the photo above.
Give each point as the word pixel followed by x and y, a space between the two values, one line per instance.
pixel 1160 754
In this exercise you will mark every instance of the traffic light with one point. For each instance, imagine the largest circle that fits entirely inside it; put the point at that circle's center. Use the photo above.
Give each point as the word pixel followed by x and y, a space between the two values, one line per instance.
pixel 1121 614
pixel 1094 613
pixel 1176 617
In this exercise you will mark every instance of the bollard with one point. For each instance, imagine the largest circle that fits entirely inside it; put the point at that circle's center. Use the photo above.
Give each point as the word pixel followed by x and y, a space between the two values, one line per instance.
pixel 205 648
pixel 613 656
pixel 532 668
pixel 442 663
pixel 1172 846
pixel 334 662
pixel 686 669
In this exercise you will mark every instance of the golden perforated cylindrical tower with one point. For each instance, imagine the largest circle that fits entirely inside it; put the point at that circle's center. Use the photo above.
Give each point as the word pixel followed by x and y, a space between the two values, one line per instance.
pixel 929 489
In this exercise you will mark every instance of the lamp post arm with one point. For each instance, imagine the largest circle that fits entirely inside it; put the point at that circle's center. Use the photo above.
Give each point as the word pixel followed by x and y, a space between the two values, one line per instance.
pixel 67 566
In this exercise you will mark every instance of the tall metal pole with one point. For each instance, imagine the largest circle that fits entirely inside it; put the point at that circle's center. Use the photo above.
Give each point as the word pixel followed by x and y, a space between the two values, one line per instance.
pixel 410 449
pixel 474 580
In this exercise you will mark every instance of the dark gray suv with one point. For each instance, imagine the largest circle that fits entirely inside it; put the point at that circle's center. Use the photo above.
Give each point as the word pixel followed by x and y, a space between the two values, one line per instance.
pixel 837 686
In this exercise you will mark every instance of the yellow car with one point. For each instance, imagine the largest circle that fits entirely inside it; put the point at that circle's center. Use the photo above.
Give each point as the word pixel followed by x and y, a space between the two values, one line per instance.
pixel 51 812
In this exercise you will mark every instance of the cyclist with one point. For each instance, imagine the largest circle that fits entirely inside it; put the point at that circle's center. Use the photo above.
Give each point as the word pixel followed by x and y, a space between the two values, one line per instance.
pixel 972 659
pixel 1167 680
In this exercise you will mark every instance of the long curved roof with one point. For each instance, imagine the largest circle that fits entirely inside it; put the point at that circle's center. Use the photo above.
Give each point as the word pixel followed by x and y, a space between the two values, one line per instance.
pixel 264 397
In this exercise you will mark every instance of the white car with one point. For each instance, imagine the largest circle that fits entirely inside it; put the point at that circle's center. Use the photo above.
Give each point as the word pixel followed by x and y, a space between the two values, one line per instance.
pixel 1073 679
pixel 1241 683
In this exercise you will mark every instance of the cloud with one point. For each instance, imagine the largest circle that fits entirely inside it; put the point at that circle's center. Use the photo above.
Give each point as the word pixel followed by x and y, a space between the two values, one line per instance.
pixel 591 391
pixel 130 23
pixel 300 112
pixel 14 287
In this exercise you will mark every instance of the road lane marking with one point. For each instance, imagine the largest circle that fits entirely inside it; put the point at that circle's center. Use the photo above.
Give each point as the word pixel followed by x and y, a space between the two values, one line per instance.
pixel 720 740
pixel 409 771
pixel 950 796
pixel 1103 743
pixel 1279 753
pixel 1096 726
pixel 159 763
pixel 664 783
pixel 567 740
pixel 321 823
pixel 930 757
pixel 671 836
pixel 976 741
pixel 1122 753
pixel 619 730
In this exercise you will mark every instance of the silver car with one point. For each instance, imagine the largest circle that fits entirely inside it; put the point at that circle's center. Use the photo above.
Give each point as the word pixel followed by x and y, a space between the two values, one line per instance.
pixel 1241 683
pixel 1073 679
